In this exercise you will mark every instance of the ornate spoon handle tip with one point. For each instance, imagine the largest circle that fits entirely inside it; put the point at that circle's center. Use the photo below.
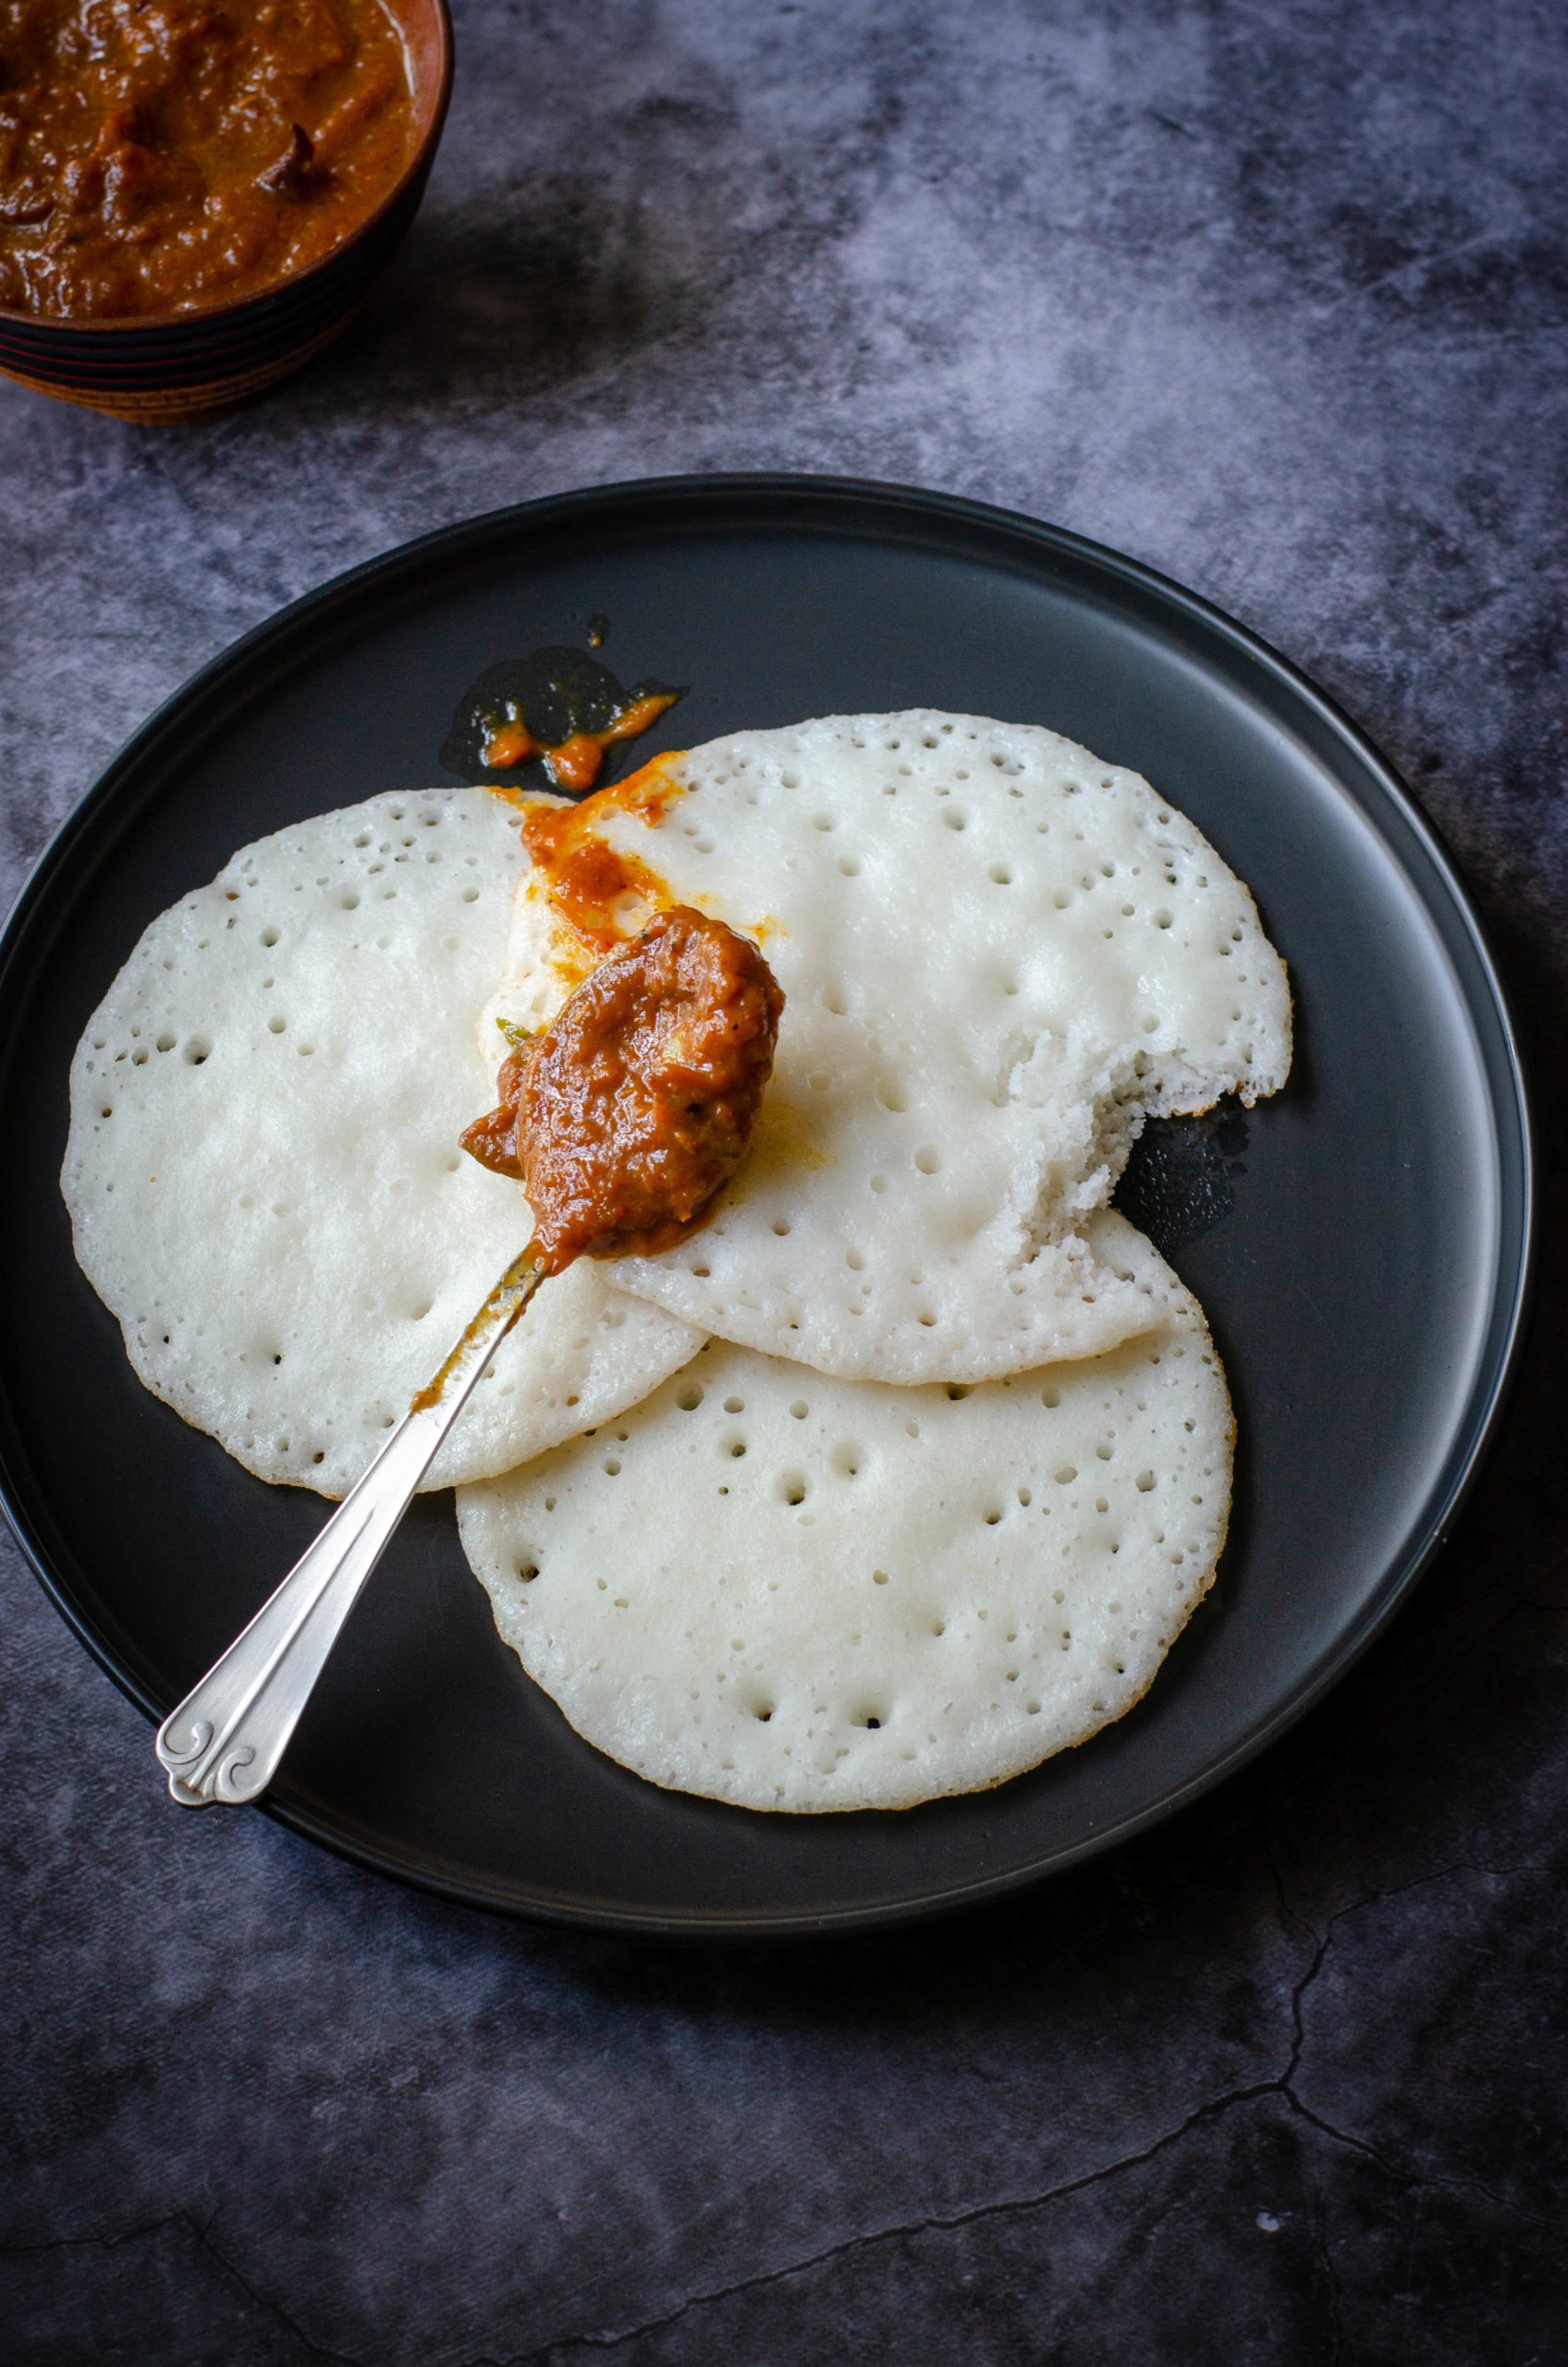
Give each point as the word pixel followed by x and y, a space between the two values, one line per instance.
pixel 223 1742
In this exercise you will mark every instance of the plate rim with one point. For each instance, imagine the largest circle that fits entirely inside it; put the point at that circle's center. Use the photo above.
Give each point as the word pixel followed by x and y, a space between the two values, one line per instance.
pixel 1496 1363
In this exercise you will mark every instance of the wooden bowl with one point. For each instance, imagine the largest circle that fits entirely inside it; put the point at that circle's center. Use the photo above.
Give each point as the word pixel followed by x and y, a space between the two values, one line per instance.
pixel 164 366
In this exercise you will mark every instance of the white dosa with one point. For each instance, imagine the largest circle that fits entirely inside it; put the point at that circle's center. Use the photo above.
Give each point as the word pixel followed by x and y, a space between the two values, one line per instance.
pixel 263 1174
pixel 790 1591
pixel 1000 955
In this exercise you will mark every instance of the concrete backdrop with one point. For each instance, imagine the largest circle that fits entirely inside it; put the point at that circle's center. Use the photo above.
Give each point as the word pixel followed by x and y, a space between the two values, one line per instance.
pixel 1272 295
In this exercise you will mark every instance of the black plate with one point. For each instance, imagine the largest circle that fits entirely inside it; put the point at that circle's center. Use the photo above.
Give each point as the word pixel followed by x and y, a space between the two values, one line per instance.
pixel 1365 1289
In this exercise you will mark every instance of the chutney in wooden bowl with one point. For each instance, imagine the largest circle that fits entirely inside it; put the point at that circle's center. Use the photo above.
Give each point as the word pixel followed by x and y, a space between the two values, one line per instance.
pixel 195 198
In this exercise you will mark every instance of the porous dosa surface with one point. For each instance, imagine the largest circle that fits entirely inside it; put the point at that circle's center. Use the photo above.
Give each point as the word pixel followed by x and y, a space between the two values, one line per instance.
pixel 263 1174
pixel 1000 955
pixel 793 1591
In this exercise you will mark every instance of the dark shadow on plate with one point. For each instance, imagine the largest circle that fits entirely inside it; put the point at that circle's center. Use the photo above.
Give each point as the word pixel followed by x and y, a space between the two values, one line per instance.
pixel 1180 1181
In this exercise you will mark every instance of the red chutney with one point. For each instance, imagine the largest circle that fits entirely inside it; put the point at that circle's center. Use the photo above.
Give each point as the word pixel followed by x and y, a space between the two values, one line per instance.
pixel 157 154
pixel 574 763
pixel 586 877
pixel 634 1107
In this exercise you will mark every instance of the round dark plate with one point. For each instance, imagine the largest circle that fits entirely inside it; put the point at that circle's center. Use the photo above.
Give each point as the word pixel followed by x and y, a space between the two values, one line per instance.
pixel 1365 1288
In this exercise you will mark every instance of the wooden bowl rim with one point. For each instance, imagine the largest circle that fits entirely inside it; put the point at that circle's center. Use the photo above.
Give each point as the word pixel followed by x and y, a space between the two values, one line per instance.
pixel 55 325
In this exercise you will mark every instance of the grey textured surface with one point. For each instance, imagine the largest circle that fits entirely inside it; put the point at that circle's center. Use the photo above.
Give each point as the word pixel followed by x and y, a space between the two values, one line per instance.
pixel 1273 297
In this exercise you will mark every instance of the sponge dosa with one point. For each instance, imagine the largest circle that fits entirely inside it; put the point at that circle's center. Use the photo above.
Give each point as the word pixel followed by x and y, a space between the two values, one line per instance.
pixel 1000 955
pixel 263 1174
pixel 790 1591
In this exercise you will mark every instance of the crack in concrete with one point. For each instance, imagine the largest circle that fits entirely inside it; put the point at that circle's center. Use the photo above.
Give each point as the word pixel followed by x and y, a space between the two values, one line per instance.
pixel 943 2223
pixel 1414 2182
pixel 263 2301
pixel 107 2243
pixel 203 2239
pixel 1412 2179
pixel 948 2223
pixel 1490 242
pixel 1322 2253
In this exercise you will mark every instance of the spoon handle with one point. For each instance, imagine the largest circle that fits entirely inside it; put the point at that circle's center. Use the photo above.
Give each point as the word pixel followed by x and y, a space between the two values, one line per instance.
pixel 226 1739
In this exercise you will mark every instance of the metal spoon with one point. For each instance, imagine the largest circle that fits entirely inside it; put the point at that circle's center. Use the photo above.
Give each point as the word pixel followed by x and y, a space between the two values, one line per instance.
pixel 226 1739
